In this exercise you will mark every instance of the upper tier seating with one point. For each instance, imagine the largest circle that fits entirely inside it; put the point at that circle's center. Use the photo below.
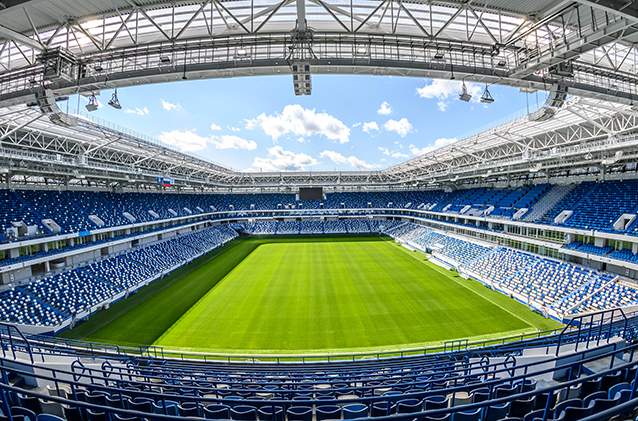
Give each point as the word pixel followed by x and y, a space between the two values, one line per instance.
pixel 598 205
pixel 76 211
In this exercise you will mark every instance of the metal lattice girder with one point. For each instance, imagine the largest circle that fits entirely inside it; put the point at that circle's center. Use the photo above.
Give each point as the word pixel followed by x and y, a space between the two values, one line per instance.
pixel 581 127
pixel 583 134
pixel 122 42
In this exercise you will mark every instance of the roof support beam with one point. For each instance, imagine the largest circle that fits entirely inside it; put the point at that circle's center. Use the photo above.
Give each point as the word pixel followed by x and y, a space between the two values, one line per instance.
pixel 301 15
pixel 22 39
pixel 624 8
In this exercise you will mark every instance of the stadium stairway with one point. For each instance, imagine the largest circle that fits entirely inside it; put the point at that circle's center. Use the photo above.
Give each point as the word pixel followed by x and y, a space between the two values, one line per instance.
pixel 548 202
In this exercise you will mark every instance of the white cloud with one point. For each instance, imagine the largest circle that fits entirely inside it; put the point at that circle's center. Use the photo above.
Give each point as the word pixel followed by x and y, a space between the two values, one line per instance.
pixel 401 127
pixel 279 159
pixel 138 111
pixel 384 108
pixel 191 141
pixel 215 127
pixel 438 143
pixel 233 142
pixel 184 140
pixel 442 89
pixel 351 160
pixel 170 106
pixel 369 126
pixel 392 154
pixel 234 129
pixel 300 121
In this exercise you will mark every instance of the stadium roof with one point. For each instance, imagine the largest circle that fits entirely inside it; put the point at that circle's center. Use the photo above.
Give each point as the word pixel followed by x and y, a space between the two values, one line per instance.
pixel 50 49
pixel 585 136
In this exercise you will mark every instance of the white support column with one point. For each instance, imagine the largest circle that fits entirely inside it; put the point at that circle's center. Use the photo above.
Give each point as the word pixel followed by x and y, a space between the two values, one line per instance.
pixel 301 16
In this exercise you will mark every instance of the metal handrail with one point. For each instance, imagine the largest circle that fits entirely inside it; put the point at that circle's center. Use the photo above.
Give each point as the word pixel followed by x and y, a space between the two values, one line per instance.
pixel 574 368
pixel 12 345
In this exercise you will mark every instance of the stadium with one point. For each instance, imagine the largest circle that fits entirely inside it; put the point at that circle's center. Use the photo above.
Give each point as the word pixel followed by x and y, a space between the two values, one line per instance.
pixel 492 276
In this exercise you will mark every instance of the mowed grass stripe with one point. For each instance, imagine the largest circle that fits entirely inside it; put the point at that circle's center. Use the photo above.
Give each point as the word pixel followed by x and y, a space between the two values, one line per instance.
pixel 310 296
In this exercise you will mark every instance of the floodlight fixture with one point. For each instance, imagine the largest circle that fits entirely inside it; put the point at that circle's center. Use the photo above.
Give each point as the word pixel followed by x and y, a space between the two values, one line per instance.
pixel 93 104
pixel 487 97
pixel 465 95
pixel 114 101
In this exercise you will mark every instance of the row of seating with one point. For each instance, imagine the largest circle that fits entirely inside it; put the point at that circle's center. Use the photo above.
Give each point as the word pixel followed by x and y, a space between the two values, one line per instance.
pixel 311 227
pixel 547 283
pixel 489 384
pixel 75 211
pixel 58 297
pixel 605 251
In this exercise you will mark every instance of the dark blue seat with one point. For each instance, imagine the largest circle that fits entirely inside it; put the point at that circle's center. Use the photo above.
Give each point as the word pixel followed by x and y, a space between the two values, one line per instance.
pixel 620 391
pixel 31 403
pixel 141 405
pixel 520 407
pixel 480 395
pixel 25 412
pixel 271 413
pixel 96 415
pixel 589 399
pixel 118 401
pixel 526 385
pixel 560 406
pixel 470 415
pixel 354 410
pixel 243 413
pixel 435 402
pixel 48 417
pixel 591 386
pixel 299 413
pixel 188 409
pixel 610 380
pixel 382 408
pixel 444 417
pixel 166 407
pixel 406 406
pixel 72 413
pixel 537 415
pixel 542 398
pixel 503 391
pixel 328 412
pixel 118 417
pixel 574 413
pixel 598 405
pixel 96 398
pixel 216 411
pixel 496 412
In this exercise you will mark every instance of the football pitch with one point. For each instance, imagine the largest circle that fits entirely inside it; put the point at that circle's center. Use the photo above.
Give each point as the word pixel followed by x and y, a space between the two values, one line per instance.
pixel 309 295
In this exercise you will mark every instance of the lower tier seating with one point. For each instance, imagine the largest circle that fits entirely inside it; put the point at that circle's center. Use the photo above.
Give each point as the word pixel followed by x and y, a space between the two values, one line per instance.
pixel 562 287
pixel 53 299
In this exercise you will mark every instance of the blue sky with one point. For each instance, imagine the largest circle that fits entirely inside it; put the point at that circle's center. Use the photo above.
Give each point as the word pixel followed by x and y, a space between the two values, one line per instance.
pixel 348 123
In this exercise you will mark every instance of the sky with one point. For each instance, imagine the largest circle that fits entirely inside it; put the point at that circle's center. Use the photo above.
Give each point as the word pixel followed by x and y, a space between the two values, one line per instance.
pixel 348 123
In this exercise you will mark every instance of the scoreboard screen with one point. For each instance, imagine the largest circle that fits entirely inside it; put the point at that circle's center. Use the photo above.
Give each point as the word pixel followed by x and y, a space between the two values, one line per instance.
pixel 310 193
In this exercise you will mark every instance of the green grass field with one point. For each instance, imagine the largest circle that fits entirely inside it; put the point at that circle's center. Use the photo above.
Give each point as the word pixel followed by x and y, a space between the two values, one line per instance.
pixel 308 295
